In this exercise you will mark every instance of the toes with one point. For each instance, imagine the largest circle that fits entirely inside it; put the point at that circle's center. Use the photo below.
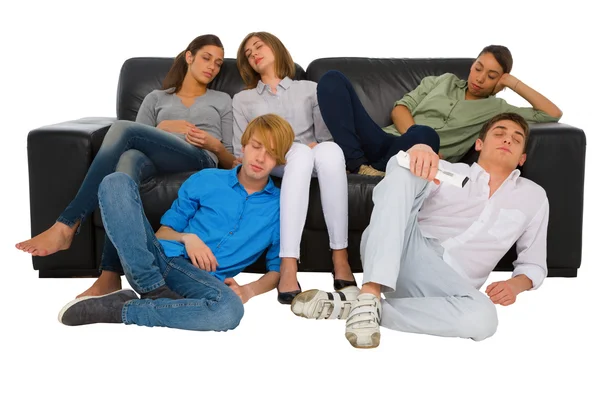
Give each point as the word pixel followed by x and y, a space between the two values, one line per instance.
pixel 23 246
pixel 28 247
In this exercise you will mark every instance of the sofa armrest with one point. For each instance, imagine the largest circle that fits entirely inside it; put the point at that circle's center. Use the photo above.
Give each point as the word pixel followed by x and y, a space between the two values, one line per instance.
pixel 59 157
pixel 556 161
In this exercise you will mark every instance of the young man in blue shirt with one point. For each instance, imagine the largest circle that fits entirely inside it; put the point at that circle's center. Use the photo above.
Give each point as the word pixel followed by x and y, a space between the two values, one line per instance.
pixel 221 222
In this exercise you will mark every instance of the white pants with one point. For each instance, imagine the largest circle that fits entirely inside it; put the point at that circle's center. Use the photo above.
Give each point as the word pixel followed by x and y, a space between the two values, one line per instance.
pixel 325 162
pixel 423 294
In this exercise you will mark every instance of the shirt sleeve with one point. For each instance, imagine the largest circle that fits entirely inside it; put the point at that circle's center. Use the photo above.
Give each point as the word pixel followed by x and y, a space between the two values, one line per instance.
pixel 227 126
pixel 185 205
pixel 322 134
pixel 147 113
pixel 240 122
pixel 412 99
pixel 273 260
pixel 531 248
pixel 530 114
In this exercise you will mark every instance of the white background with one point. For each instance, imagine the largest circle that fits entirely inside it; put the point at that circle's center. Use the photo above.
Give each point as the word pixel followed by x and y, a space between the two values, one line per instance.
pixel 60 60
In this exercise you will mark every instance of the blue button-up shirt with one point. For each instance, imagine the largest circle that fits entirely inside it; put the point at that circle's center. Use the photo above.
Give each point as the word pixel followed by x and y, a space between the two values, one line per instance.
pixel 237 227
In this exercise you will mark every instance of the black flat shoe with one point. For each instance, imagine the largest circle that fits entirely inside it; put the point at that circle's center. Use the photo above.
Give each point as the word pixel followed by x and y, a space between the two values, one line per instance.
pixel 340 283
pixel 287 297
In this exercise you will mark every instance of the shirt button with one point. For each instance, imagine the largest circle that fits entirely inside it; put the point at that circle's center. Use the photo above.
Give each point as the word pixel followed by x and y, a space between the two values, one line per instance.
pixel 231 233
pixel 451 104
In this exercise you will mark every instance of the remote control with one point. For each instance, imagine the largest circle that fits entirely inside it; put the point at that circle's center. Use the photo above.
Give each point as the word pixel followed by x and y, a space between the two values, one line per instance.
pixel 442 175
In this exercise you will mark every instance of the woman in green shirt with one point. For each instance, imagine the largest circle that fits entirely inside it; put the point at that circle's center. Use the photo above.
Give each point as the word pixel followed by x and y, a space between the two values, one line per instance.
pixel 456 109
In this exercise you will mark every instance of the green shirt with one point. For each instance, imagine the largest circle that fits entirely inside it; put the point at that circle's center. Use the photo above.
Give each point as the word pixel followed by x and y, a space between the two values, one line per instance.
pixel 439 102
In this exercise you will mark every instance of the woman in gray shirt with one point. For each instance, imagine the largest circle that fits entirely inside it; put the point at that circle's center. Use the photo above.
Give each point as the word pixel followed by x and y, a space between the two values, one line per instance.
pixel 184 127
pixel 267 69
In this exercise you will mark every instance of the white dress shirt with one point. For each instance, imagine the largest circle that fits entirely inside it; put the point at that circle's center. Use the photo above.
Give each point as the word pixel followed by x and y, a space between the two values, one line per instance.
pixel 476 230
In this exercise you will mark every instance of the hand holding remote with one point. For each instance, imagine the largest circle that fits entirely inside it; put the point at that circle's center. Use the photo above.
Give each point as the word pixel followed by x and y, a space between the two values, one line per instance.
pixel 442 175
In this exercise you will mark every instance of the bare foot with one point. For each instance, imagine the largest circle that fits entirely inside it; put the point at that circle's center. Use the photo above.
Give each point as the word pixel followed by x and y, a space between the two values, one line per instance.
pixel 58 237
pixel 108 282
pixel 288 281
pixel 341 266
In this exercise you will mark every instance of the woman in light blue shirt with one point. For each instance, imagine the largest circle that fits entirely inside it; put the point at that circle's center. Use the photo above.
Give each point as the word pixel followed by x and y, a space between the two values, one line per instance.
pixel 267 69
pixel 184 127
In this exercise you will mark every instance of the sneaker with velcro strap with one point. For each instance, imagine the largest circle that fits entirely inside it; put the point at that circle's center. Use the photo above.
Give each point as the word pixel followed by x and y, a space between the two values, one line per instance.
pixel 318 304
pixel 362 324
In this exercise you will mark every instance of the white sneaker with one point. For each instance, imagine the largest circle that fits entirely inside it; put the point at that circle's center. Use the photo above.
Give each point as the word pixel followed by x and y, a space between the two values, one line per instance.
pixel 362 325
pixel 319 304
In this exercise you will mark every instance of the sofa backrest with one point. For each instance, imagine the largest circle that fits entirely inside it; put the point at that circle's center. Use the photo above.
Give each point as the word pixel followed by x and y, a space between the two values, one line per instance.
pixel 141 75
pixel 379 82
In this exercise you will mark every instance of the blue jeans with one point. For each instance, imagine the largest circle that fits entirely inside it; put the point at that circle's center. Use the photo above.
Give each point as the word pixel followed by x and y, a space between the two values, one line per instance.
pixel 360 138
pixel 209 304
pixel 140 151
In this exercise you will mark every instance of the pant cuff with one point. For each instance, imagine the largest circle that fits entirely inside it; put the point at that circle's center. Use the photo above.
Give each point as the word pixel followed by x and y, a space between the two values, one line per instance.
pixel 124 313
pixel 387 285
pixel 354 165
pixel 112 269
pixel 70 223
pixel 65 221
pixel 341 246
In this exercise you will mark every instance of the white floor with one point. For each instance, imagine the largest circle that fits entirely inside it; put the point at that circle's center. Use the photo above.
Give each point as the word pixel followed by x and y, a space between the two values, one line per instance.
pixel 542 347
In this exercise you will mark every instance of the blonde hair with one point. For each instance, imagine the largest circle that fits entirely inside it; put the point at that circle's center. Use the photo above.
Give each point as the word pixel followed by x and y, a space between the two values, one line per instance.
pixel 273 132
pixel 284 65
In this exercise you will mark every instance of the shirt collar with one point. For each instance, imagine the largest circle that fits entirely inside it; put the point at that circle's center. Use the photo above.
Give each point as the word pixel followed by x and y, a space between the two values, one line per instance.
pixel 284 84
pixel 460 83
pixel 233 180
pixel 514 175
pixel 477 172
pixel 270 188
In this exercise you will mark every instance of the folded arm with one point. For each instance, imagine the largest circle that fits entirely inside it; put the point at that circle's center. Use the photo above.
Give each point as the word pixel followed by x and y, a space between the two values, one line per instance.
pixel 538 101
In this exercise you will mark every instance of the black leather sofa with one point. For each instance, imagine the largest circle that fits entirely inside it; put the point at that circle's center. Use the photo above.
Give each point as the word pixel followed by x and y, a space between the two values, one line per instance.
pixel 59 156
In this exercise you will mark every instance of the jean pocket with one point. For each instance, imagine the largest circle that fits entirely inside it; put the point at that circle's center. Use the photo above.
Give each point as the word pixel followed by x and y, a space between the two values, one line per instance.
pixel 508 226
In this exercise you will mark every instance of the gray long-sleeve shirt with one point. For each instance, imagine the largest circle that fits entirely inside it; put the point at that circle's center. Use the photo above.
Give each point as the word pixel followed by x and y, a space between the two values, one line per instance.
pixel 210 112
pixel 295 101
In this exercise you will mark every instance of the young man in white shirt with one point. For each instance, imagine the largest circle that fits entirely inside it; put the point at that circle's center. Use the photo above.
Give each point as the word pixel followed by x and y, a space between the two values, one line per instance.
pixel 430 246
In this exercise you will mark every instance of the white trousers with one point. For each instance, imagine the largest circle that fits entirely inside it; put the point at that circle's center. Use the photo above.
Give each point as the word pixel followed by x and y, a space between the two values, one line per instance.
pixel 423 294
pixel 325 162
